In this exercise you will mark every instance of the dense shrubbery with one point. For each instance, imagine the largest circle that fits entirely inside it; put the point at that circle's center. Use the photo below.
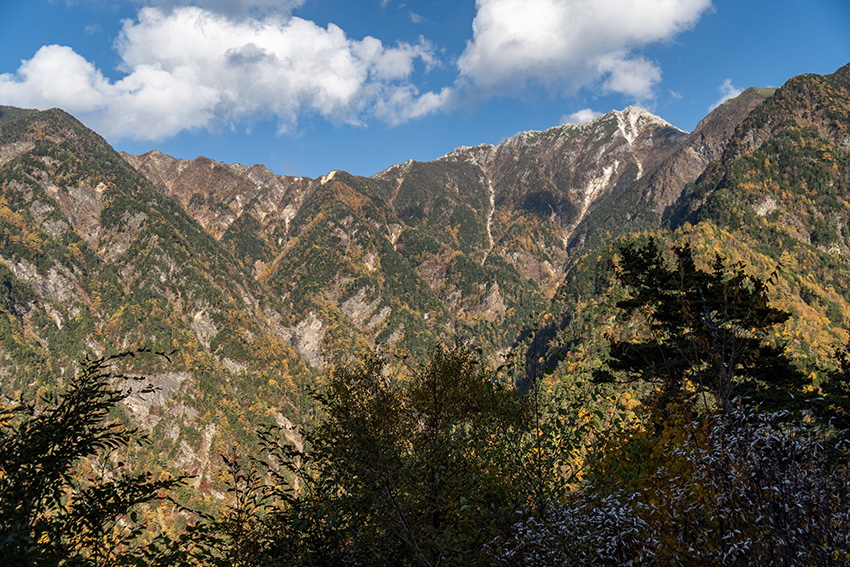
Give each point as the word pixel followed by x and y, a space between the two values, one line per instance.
pixel 741 488
pixel 426 467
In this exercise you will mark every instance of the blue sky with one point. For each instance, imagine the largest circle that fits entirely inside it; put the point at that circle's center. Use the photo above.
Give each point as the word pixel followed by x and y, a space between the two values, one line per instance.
pixel 308 86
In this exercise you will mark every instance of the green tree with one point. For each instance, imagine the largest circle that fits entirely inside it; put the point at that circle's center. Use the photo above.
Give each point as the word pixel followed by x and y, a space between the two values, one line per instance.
pixel 412 467
pixel 424 464
pixel 423 457
pixel 65 499
pixel 703 332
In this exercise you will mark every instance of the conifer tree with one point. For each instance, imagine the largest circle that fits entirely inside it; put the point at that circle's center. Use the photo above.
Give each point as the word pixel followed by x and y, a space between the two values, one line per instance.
pixel 703 332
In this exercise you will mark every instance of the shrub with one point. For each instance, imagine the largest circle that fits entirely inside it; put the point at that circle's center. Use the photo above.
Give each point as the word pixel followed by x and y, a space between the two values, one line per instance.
pixel 762 490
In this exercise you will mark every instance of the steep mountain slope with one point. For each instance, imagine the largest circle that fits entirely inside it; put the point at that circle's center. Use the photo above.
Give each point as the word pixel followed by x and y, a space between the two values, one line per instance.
pixel 777 197
pixel 782 188
pixel 472 243
pixel 94 259
pixel 260 282
pixel 660 191
pixel 544 184
pixel 804 128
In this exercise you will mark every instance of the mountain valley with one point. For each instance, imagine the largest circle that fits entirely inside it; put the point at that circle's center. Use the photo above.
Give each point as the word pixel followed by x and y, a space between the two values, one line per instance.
pixel 259 284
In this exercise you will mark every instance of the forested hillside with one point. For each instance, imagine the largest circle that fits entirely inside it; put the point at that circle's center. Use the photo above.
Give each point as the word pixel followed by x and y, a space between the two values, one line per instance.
pixel 95 261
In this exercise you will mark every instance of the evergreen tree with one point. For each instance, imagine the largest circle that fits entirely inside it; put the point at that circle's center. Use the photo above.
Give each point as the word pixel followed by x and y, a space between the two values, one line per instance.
pixel 703 332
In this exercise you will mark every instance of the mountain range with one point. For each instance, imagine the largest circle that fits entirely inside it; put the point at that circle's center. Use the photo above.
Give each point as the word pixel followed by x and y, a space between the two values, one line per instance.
pixel 260 283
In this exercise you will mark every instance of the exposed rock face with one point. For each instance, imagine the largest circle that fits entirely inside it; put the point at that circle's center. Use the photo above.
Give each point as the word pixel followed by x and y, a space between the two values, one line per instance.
pixel 705 144
pixel 204 327
pixel 58 284
pixel 82 205
pixel 164 386
pixel 13 150
pixel 361 311
pixel 308 338
pixel 217 194
pixel 522 211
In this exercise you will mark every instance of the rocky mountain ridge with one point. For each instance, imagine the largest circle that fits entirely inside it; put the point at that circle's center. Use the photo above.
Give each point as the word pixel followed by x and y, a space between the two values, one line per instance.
pixel 565 176
pixel 485 232
pixel 262 282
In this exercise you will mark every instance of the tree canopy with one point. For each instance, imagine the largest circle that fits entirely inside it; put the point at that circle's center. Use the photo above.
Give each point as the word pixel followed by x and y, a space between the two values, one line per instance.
pixel 694 332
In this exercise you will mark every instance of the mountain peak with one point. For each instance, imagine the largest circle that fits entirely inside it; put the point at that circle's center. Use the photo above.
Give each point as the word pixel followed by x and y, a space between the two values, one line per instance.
pixel 631 121
pixel 480 154
pixel 631 114
pixel 634 118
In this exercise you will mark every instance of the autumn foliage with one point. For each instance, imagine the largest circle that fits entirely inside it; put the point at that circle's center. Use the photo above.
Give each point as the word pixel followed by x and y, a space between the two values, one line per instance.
pixel 700 444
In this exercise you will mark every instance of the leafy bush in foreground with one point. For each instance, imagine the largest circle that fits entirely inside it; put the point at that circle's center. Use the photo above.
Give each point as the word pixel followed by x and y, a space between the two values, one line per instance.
pixel 760 489
pixel 63 499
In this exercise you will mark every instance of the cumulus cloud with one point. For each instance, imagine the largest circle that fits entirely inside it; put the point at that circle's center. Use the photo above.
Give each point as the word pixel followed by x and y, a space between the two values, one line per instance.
pixel 727 90
pixel 565 45
pixel 56 76
pixel 406 103
pixel 190 68
pixel 220 63
pixel 580 116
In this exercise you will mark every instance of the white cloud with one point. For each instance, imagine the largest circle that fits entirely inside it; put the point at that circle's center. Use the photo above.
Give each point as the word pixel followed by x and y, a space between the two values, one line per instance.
pixel 56 76
pixel 633 76
pixel 189 68
pixel 580 116
pixel 565 45
pixel 405 103
pixel 727 90
pixel 220 63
